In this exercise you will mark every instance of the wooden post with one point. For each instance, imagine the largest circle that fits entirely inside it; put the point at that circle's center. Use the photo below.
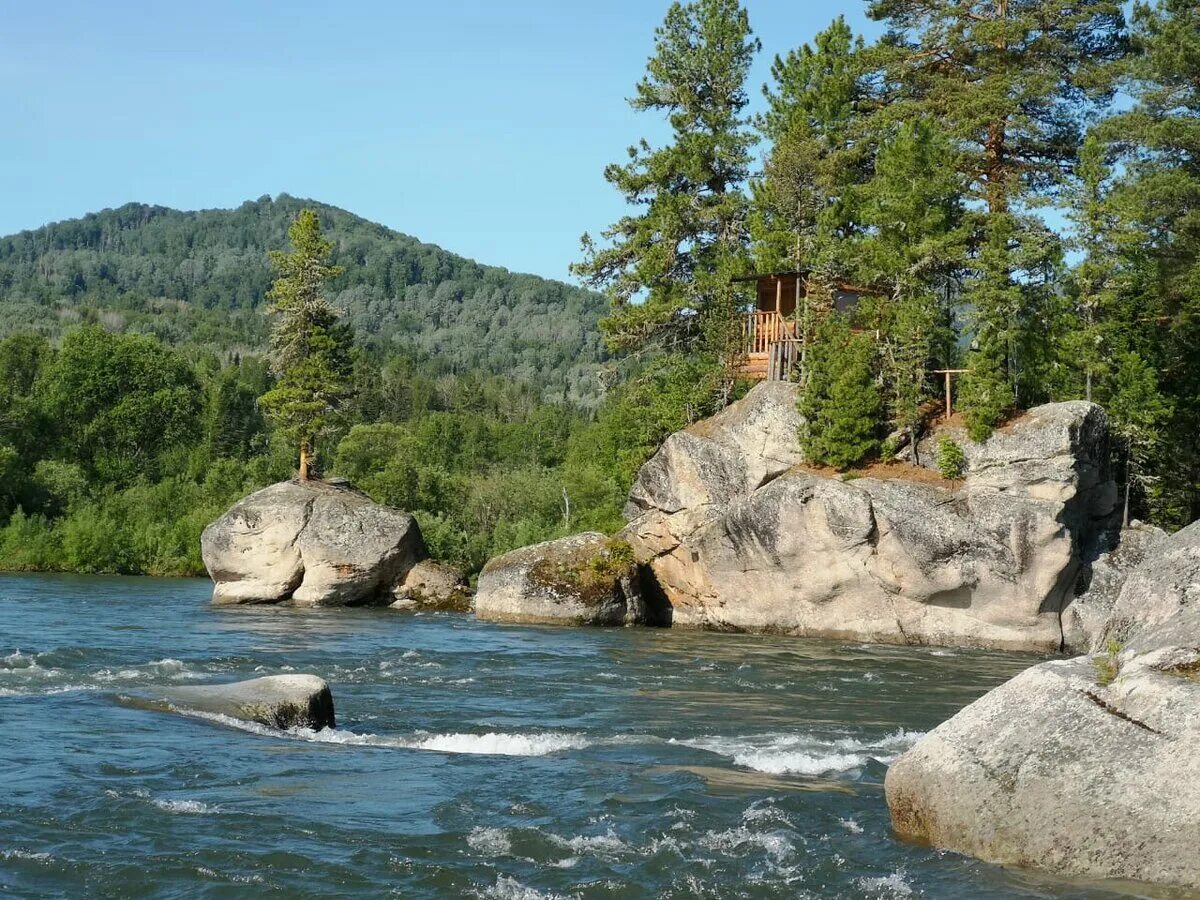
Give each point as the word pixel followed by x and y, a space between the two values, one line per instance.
pixel 949 395
pixel 778 296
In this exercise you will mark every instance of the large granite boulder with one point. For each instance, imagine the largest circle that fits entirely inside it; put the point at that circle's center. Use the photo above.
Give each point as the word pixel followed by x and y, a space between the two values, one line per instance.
pixel 278 701
pixel 310 543
pixel 586 579
pixel 1088 766
pixel 739 537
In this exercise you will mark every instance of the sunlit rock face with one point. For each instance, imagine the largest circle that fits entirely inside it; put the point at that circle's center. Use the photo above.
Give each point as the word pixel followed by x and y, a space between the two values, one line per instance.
pixel 311 543
pixel 1085 766
pixel 740 535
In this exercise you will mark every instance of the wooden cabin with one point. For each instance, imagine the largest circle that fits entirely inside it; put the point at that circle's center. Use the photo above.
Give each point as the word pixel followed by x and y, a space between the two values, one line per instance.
pixel 773 338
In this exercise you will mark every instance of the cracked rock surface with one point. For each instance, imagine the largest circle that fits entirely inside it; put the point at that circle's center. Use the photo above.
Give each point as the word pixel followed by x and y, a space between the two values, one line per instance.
pixel 740 537
pixel 1087 766
pixel 310 544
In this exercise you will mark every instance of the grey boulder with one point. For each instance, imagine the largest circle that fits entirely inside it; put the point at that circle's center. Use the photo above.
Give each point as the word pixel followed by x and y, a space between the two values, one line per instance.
pixel 1088 766
pixel 581 580
pixel 278 701
pixel 433 585
pixel 310 543
pixel 738 536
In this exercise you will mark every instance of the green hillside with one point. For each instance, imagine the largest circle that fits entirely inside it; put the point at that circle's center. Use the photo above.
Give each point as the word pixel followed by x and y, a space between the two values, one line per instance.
pixel 200 277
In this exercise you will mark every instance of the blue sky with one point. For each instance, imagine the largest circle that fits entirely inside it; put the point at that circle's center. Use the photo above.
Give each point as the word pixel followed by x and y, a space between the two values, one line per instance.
pixel 482 127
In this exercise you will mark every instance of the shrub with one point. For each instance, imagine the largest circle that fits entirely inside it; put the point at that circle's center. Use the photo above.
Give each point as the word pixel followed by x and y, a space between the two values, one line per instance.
pixel 952 462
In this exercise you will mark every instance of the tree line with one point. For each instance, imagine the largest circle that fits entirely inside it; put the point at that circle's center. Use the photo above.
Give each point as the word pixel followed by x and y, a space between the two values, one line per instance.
pixel 1016 181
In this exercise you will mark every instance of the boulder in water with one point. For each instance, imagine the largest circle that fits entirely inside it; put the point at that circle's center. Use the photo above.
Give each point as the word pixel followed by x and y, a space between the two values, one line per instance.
pixel 586 579
pixel 278 701
pixel 1088 766
pixel 310 543
pixel 435 586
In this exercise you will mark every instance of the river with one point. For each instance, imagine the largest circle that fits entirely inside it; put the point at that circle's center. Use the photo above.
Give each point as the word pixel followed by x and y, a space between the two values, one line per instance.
pixel 471 760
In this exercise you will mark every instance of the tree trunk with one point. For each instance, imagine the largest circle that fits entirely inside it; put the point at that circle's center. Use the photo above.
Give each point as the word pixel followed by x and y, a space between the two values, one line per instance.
pixel 305 461
pixel 1128 483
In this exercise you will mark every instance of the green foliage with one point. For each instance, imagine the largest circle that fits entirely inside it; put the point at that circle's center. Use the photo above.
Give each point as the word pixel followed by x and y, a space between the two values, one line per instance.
pixel 1107 664
pixel 951 461
pixel 984 393
pixel 310 352
pixel 840 403
pixel 200 278
pixel 667 269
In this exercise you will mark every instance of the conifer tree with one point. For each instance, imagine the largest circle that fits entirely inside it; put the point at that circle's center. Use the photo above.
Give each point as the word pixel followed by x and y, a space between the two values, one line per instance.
pixel 310 349
pixel 667 267
pixel 1158 201
pixel 803 203
pixel 840 403
pixel 914 245
pixel 1012 82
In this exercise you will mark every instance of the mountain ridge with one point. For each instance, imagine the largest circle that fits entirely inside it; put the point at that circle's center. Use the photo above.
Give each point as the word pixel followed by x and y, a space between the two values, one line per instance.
pixel 200 276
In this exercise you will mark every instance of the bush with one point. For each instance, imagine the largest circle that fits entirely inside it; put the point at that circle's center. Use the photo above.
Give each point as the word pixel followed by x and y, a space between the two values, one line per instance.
pixel 841 404
pixel 952 462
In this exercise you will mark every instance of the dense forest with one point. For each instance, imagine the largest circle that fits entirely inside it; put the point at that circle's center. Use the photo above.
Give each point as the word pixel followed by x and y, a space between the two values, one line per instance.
pixel 1017 183
pixel 201 277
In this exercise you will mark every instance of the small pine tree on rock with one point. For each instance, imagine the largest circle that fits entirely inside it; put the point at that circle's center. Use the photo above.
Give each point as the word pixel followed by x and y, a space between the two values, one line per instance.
pixel 841 402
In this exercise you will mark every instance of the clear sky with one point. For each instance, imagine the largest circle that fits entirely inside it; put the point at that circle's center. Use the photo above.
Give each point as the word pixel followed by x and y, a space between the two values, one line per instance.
pixel 483 127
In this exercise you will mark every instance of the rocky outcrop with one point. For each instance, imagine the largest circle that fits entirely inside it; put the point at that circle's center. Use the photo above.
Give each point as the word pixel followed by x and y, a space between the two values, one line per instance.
pixel 310 543
pixel 581 580
pixel 1086 766
pixel 278 701
pixel 432 585
pixel 1100 582
pixel 738 536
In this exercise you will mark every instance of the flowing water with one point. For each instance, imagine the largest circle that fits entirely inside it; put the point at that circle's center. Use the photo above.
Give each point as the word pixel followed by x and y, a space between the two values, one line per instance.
pixel 471 760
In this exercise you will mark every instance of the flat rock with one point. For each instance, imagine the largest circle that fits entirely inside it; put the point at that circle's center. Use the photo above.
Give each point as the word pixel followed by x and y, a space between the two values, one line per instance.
pixel 278 701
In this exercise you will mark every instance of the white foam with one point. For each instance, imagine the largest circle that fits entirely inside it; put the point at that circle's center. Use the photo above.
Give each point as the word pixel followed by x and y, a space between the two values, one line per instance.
pixel 851 826
pixel 889 886
pixel 507 888
pixel 19 853
pixel 490 744
pixel 805 754
pixel 489 841
pixel 187 807
pixel 602 845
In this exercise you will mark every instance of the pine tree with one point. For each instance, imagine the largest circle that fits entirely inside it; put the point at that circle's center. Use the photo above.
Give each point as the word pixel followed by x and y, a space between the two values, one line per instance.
pixel 914 244
pixel 667 267
pixel 1012 81
pixel 840 403
pixel 1157 199
pixel 310 349
pixel 802 201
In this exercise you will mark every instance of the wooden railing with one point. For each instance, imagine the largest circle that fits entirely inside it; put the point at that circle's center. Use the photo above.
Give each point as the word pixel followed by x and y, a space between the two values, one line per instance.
pixel 772 345
pixel 762 329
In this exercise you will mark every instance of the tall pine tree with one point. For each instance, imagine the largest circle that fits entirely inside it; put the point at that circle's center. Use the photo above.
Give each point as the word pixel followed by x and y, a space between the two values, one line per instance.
pixel 310 349
pixel 667 266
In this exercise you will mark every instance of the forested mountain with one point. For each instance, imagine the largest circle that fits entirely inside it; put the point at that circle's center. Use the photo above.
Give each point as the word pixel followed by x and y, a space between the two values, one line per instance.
pixel 200 277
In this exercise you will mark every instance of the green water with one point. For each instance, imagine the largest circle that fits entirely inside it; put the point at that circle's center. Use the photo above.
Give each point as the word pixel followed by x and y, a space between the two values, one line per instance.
pixel 471 760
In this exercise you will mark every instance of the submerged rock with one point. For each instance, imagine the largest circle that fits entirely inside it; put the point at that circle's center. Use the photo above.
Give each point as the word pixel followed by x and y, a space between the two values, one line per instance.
pixel 740 538
pixel 581 580
pixel 433 585
pixel 278 701
pixel 1086 766
pixel 310 543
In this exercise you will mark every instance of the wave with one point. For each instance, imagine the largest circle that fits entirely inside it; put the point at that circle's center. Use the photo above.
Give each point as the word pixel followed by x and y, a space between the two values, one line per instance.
pixel 492 743
pixel 805 754
pixel 55 672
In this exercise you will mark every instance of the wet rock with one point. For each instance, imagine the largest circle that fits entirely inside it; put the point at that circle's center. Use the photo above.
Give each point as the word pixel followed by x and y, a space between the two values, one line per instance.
pixel 310 543
pixel 278 701
pixel 585 579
